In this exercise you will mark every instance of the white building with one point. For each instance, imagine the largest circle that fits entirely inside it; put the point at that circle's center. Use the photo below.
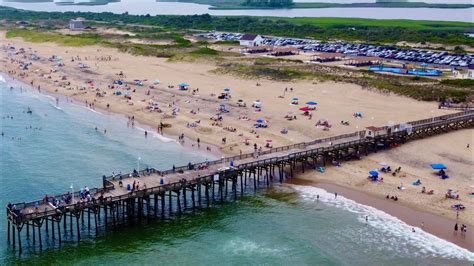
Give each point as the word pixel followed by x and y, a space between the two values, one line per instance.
pixel 76 24
pixel 251 40
pixel 470 71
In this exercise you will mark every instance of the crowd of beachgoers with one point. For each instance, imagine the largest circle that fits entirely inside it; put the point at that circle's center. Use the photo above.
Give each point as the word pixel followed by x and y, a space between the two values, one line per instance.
pixel 207 111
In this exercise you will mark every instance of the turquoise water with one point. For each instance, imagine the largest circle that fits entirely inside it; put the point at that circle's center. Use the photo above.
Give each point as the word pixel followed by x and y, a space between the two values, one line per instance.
pixel 282 225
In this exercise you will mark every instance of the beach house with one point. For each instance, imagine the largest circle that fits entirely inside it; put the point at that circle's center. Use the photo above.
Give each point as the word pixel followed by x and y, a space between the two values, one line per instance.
pixel 251 40
pixel 76 24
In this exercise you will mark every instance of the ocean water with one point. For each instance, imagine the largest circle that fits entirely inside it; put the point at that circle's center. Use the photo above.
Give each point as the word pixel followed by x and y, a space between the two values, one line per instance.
pixel 286 224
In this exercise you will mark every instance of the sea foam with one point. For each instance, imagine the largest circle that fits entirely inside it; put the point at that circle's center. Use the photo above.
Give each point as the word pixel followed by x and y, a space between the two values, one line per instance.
pixel 156 135
pixel 426 244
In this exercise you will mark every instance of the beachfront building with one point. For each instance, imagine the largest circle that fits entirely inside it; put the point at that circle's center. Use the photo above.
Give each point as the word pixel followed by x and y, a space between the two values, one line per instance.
pixel 76 24
pixel 326 57
pixel 373 132
pixel 251 40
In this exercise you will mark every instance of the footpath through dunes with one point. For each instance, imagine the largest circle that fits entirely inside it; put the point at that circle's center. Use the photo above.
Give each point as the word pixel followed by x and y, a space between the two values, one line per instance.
pixel 116 202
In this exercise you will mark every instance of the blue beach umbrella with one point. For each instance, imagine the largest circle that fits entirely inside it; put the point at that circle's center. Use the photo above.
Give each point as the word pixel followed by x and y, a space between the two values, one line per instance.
pixel 438 166
pixel 184 85
pixel 226 89
pixel 294 99
pixel 374 173
pixel 311 103
pixel 260 120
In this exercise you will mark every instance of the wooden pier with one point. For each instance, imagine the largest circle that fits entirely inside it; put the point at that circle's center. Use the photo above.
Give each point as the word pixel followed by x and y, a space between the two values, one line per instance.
pixel 163 194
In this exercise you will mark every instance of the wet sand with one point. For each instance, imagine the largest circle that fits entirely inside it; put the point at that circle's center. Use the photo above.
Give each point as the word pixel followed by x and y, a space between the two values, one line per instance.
pixel 433 224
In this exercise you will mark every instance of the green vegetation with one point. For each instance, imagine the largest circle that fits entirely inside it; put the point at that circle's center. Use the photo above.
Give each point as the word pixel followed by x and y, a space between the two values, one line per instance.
pixel 227 42
pixel 464 83
pixel 267 3
pixel 351 29
pixel 204 51
pixel 66 40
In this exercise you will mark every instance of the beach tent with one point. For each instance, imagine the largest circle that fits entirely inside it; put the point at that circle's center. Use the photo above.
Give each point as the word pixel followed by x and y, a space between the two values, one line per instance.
pixel 257 104
pixel 311 103
pixel 438 166
pixel 374 173
pixel 183 86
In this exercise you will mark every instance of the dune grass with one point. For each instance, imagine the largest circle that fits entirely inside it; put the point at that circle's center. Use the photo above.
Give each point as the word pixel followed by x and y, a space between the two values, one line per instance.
pixel 65 40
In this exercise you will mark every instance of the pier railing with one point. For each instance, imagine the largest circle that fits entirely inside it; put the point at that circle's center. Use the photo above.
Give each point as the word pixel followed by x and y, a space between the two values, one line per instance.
pixel 302 150
pixel 303 145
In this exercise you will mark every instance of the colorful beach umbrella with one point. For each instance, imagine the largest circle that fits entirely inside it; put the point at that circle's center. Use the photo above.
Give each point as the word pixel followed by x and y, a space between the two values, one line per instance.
pixel 438 166
pixel 311 103
pixel 374 173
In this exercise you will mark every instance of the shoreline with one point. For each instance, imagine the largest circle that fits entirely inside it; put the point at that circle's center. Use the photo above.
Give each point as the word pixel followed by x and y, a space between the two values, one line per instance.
pixel 215 151
pixel 434 224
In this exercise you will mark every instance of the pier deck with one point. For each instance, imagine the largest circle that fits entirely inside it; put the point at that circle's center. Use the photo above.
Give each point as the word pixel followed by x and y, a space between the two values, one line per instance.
pixel 123 204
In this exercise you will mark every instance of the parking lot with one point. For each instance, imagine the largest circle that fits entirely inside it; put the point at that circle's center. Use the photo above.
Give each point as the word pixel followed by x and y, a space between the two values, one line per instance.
pixel 442 58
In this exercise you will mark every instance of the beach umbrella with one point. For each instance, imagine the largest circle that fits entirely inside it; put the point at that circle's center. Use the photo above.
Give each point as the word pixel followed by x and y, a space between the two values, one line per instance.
pixel 294 99
pixel 374 173
pixel 184 84
pixel 226 89
pixel 269 140
pixel 156 82
pixel 304 109
pixel 311 103
pixel 260 120
pixel 438 166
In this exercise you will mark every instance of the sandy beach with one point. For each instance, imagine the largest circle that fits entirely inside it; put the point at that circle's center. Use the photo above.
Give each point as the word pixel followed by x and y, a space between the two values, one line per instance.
pixel 336 101
pixel 415 159
pixel 189 112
